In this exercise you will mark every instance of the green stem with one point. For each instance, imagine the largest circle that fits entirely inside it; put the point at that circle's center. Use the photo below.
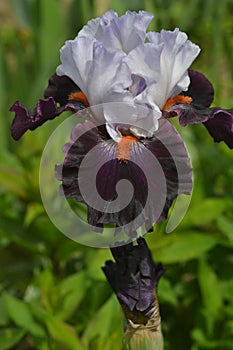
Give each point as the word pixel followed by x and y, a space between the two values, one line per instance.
pixel 143 338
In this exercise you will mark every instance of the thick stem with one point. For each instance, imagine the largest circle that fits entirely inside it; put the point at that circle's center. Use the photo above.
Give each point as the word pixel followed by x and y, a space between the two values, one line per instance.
pixel 143 338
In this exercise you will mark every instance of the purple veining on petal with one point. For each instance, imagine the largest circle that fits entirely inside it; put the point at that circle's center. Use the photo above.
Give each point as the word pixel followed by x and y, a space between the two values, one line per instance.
pixel 138 85
pixel 142 209
pixel 107 177
pixel 189 114
pixel 174 161
pixel 134 278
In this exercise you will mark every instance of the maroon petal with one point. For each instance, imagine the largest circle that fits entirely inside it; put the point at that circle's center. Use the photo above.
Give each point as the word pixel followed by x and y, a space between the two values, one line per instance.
pixel 45 109
pixel 156 174
pixel 134 278
pixel 219 122
pixel 60 87
pixel 200 89
pixel 190 114
pixel 202 93
pixel 220 126
pixel 168 147
pixel 109 171
pixel 58 91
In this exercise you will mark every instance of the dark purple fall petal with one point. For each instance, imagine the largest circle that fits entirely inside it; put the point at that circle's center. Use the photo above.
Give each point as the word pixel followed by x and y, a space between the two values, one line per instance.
pixel 220 126
pixel 190 114
pixel 58 91
pixel 60 87
pixel 200 89
pixel 134 278
pixel 170 150
pixel 150 201
pixel 202 93
pixel 45 109
pixel 219 122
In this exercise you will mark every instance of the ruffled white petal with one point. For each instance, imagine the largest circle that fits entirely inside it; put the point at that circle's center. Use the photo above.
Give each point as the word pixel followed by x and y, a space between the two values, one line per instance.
pixel 177 55
pixel 164 65
pixel 111 63
pixel 100 74
pixel 108 78
pixel 76 60
pixel 94 27
pixel 124 33
pixel 140 120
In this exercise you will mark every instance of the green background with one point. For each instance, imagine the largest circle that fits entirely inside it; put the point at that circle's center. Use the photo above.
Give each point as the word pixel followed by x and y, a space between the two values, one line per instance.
pixel 53 294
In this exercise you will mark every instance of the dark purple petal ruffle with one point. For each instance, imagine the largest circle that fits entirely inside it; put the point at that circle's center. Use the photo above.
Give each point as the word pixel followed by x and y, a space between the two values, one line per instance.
pixel 202 93
pixel 154 186
pixel 45 109
pixel 134 278
pixel 200 89
pixel 60 87
pixel 170 151
pixel 190 114
pixel 219 122
pixel 57 91
pixel 220 126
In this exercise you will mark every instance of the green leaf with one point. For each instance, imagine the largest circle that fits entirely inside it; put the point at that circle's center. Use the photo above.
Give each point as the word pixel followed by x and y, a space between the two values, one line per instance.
pixel 166 292
pixel 205 211
pixel 107 321
pixel 182 246
pixel 226 227
pixel 20 314
pixel 211 293
pixel 9 337
pixel 63 333
pixel 4 317
pixel 94 260
pixel 58 330
pixel 200 337
pixel 33 211
pixel 70 292
pixel 11 178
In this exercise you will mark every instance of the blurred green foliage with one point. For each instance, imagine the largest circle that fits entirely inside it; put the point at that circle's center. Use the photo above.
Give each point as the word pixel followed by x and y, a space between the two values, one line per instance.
pixel 53 293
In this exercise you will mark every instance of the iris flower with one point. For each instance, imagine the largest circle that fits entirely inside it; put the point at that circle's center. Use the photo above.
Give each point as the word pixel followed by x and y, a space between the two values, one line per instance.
pixel 114 61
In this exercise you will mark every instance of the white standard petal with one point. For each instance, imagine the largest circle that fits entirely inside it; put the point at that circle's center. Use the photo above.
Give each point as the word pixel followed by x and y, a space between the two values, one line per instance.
pixel 108 78
pixel 76 59
pixel 163 63
pixel 176 57
pixel 123 33
pixel 101 75
pixel 130 29
pixel 94 27
pixel 144 61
